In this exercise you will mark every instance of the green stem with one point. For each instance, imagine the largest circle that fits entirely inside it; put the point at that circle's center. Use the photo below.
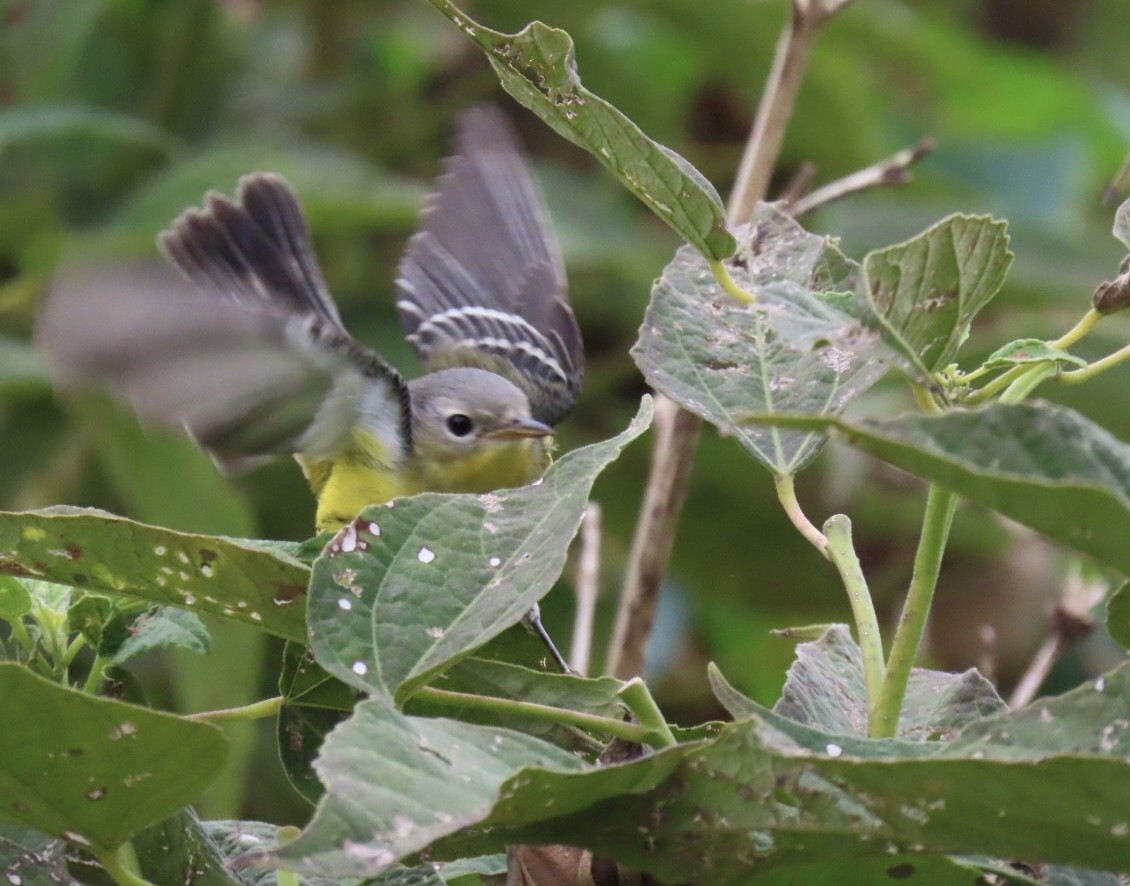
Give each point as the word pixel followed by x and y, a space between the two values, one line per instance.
pixel 1028 382
pixel 722 275
pixel 842 554
pixel 76 646
pixel 122 866
pixel 940 505
pixel 258 710
pixel 786 495
pixel 1099 366
pixel 637 697
pixel 21 636
pixel 1078 331
pixel 94 678
pixel 545 713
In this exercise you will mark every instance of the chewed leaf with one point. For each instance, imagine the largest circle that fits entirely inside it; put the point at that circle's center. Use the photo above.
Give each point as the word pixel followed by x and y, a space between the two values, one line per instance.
pixel 252 582
pixel 799 348
pixel 537 67
pixel 927 290
pixel 406 589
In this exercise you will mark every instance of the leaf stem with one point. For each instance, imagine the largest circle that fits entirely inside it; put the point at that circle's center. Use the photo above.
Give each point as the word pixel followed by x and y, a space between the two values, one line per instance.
pixel 122 866
pixel 936 522
pixel 1076 376
pixel 257 710
pixel 1026 383
pixel 841 552
pixel 638 698
pixel 729 284
pixel 786 495
pixel 94 678
pixel 545 713
pixel 1078 331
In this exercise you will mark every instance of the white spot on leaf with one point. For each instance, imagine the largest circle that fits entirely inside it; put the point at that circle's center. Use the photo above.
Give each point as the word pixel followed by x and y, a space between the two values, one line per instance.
pixel 360 668
pixel 425 554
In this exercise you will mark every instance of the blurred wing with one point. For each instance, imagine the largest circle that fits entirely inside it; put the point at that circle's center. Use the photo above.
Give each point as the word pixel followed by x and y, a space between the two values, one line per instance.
pixel 244 379
pixel 482 283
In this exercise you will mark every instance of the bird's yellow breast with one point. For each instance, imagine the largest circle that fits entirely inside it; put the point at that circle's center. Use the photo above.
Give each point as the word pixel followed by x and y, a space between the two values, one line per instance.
pixel 364 474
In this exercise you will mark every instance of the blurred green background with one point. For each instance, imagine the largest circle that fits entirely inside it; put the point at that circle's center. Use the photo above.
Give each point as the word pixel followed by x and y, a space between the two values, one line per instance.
pixel 117 114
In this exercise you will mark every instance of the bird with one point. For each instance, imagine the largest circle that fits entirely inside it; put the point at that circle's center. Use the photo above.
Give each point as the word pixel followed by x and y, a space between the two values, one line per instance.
pixel 249 354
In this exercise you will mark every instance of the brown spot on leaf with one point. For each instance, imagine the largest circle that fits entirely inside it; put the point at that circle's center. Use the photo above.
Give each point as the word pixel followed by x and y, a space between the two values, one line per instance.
pixel 287 593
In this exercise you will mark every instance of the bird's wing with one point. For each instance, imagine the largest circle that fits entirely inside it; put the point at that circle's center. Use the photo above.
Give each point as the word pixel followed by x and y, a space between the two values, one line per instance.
pixel 481 283
pixel 252 359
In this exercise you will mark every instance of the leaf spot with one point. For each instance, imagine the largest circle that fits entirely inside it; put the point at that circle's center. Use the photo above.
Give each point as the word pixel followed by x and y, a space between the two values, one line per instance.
pixel 122 730
pixel 495 561
pixel 344 603
pixel 96 793
pixel 425 554
pixel 435 632
pixel 1100 684
pixel 834 750
pixel 360 668
pixel 347 539
pixel 160 550
pixel 374 529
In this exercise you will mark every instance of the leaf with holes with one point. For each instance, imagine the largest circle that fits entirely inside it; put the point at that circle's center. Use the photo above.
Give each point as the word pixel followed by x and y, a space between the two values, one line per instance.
pixel 537 67
pixel 407 588
pixel 927 290
pixel 247 581
pixel 799 348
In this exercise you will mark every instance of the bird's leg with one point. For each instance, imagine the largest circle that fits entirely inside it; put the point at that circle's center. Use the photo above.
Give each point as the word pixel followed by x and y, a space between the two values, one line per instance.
pixel 533 623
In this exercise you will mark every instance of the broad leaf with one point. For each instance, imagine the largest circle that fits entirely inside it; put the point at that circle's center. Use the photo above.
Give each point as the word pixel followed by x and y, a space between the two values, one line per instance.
pixel 29 126
pixel 29 858
pixel 798 348
pixel 537 67
pixel 163 627
pixel 92 769
pixel 825 689
pixel 927 290
pixel 1045 466
pixel 1118 615
pixel 242 580
pixel 1030 350
pixel 395 784
pixel 407 588
pixel 180 849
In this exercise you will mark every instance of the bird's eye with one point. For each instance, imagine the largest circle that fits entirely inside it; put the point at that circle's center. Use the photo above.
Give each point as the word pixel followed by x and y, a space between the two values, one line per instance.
pixel 459 424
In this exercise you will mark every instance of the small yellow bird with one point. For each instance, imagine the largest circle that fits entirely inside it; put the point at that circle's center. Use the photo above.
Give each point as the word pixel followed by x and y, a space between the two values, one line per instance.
pixel 253 360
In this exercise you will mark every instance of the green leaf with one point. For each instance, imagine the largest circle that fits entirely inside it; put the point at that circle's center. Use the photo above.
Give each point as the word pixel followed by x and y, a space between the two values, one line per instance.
pixel 1029 350
pixel 163 627
pixel 1118 615
pixel 1122 223
pixel 1042 465
pixel 96 551
pixel 824 688
pixel 96 770
pixel 538 67
pixel 795 350
pixel 169 850
pixel 29 858
pixel 927 290
pixel 409 587
pixel 395 784
pixel 235 840
pixel 29 126
pixel 15 600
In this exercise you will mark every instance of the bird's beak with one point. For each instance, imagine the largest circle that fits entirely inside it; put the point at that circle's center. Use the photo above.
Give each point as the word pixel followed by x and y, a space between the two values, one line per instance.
pixel 520 428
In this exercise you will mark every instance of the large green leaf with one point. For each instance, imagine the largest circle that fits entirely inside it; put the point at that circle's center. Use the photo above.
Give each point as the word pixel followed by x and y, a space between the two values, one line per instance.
pixel 537 66
pixel 256 584
pixel 797 349
pixel 1045 466
pixel 927 290
pixel 407 588
pixel 92 769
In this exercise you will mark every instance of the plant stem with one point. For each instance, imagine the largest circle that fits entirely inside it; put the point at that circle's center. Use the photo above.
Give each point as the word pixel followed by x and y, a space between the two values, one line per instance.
pixel 940 506
pixel 258 710
pixel 541 712
pixel 730 285
pixel 1037 671
pixel 122 866
pixel 94 678
pixel 1025 384
pixel 842 554
pixel 1078 331
pixel 586 588
pixel 636 696
pixel 1088 372
pixel 786 495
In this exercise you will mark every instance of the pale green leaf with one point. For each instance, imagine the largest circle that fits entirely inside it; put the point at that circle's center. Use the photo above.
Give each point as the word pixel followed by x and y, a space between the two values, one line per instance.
pixel 1029 350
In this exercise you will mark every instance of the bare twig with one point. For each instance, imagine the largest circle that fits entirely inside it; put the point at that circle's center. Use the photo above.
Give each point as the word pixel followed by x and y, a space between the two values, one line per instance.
pixel 1038 669
pixel 676 432
pixel 674 447
pixel 893 171
pixel 1118 184
pixel 799 184
pixel 586 588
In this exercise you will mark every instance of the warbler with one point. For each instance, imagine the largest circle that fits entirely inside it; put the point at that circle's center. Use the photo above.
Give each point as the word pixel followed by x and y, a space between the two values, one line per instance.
pixel 252 358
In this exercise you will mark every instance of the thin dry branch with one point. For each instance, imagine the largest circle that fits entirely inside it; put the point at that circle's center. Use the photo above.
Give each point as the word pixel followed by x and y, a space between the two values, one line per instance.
pixel 585 588
pixel 894 171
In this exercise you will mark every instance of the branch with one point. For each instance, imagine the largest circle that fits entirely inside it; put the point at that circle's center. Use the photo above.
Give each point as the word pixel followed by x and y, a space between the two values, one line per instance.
pixel 894 171
pixel 586 588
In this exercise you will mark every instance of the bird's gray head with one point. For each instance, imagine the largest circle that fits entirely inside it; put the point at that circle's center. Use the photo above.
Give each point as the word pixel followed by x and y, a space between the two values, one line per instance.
pixel 457 411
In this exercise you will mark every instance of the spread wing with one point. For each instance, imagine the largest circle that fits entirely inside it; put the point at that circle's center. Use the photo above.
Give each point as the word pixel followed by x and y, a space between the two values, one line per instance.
pixel 481 283
pixel 251 359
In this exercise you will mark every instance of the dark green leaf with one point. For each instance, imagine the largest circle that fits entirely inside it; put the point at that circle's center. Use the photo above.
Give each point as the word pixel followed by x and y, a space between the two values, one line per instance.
pixel 92 769
pixel 1042 465
pixel 181 850
pixel 407 588
pixel 795 350
pixel 927 290
pixel 29 858
pixel 15 601
pixel 96 551
pixel 1118 615
pixel 537 67
pixel 37 125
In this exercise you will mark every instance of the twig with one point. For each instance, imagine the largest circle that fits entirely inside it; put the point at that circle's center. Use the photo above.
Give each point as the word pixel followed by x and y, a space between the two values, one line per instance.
pixel 674 449
pixel 586 588
pixel 1118 184
pixel 785 77
pixel 676 432
pixel 1037 671
pixel 799 184
pixel 893 171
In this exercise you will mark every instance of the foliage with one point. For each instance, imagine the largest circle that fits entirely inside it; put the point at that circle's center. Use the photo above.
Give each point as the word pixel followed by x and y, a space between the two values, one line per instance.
pixel 412 711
